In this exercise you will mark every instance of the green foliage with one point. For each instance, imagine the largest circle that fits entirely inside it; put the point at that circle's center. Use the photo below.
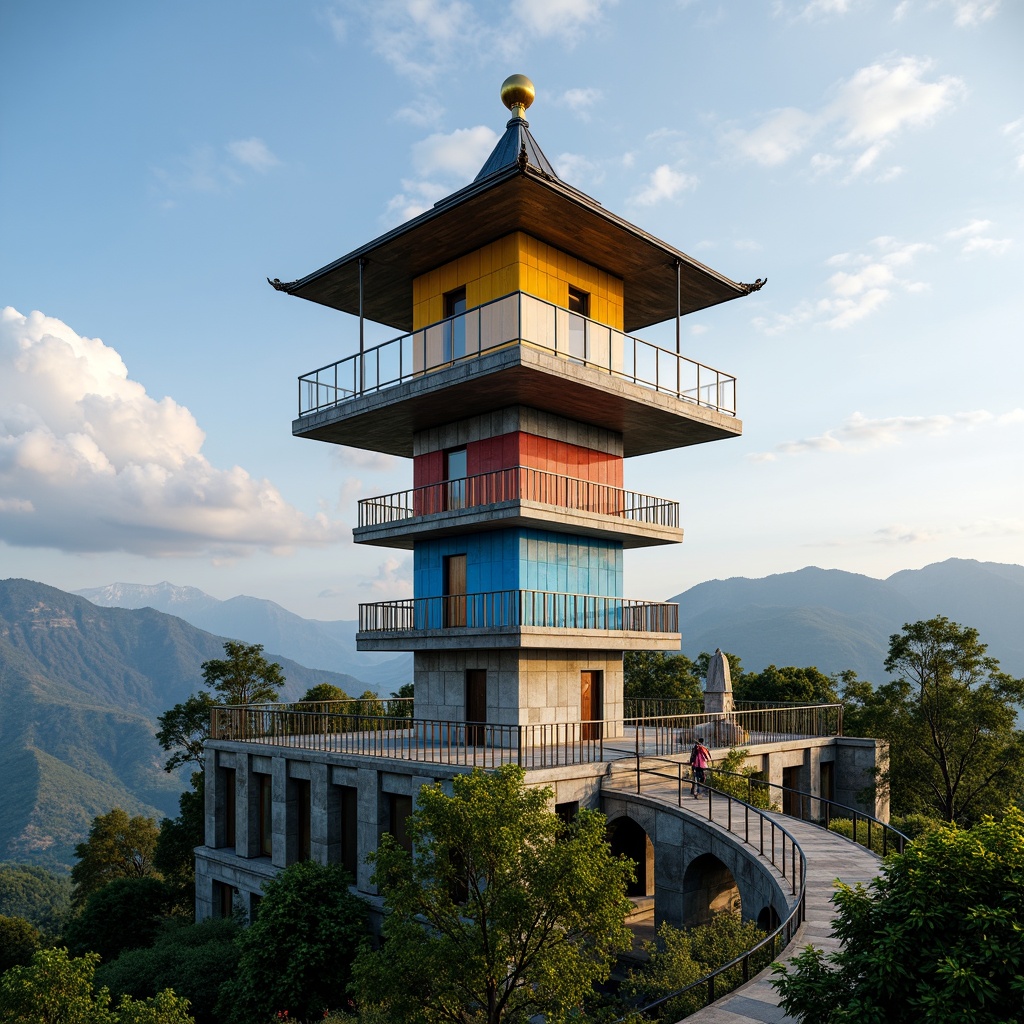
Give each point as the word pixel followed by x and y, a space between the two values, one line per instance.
pixel 297 954
pixel 244 676
pixel 38 895
pixel 18 941
pixel 57 989
pixel 744 783
pixel 320 693
pixel 117 847
pixel 192 959
pixel 405 690
pixel 184 729
pixel 938 937
pixel 503 912
pixel 654 674
pixel 950 720
pixel 124 914
pixel 805 685
pixel 681 957
pixel 174 856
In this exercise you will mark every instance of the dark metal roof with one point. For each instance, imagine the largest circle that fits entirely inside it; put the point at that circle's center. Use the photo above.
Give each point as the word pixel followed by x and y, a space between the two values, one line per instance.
pixel 522 195
pixel 509 151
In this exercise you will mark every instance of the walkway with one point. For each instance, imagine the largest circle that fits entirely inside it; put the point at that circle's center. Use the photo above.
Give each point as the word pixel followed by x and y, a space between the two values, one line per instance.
pixel 829 856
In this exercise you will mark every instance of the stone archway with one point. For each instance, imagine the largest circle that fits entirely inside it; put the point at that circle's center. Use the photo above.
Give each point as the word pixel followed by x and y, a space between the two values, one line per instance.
pixel 628 838
pixel 709 888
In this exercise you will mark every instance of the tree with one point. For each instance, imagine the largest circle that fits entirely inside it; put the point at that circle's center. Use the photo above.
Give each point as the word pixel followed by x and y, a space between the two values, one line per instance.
pixel 38 895
pixel 321 693
pixel 806 685
pixel 949 718
pixel 57 989
pixel 18 941
pixel 124 914
pixel 174 856
pixel 192 959
pixel 502 912
pixel 184 729
pixel 117 847
pixel 936 938
pixel 297 955
pixel 654 674
pixel 244 676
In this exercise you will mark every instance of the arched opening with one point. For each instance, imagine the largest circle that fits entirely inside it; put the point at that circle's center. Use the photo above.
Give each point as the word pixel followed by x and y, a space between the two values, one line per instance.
pixel 768 919
pixel 629 839
pixel 708 889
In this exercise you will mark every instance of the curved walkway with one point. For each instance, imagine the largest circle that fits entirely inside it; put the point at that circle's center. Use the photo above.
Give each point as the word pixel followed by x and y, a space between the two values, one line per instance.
pixel 829 856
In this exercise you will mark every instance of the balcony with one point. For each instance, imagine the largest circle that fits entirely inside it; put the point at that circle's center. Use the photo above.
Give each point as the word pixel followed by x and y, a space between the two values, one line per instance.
pixel 518 618
pixel 338 730
pixel 517 350
pixel 518 496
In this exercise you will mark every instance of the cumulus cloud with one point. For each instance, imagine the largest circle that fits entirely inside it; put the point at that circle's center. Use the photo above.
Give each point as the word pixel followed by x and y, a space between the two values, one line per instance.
pixel 867 113
pixel 252 153
pixel 861 284
pixel 858 433
pixel 579 101
pixel 664 182
pixel 90 463
pixel 443 162
pixel 394 576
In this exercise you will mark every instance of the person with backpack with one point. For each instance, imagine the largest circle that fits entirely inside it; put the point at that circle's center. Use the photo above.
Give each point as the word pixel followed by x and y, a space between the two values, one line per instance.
pixel 700 758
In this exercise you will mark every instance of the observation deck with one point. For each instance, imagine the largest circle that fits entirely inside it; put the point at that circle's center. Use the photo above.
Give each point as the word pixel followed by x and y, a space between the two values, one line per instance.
pixel 518 497
pixel 517 350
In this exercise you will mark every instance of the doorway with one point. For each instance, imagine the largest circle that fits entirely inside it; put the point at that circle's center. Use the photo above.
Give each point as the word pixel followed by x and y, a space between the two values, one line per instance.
pixel 454 600
pixel 792 802
pixel 476 706
pixel 590 704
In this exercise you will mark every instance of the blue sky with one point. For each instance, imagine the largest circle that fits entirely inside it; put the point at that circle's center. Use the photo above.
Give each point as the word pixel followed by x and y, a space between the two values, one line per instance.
pixel 160 161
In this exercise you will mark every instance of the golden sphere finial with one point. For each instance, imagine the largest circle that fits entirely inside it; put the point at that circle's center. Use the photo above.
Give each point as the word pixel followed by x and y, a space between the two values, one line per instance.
pixel 517 93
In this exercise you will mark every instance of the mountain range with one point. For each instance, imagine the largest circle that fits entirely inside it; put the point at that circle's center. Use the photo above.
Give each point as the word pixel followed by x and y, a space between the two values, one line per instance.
pixel 839 620
pixel 82 681
pixel 81 687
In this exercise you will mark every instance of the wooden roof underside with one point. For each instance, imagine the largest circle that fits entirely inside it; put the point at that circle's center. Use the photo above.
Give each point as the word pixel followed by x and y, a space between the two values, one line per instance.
pixel 510 200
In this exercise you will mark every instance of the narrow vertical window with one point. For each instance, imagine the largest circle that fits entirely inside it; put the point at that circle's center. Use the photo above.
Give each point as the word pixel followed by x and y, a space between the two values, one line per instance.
pixel 349 829
pixel 455 325
pixel 266 815
pixel 455 467
pixel 579 310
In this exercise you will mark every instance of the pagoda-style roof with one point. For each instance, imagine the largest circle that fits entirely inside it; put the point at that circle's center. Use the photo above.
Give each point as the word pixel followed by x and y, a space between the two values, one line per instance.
pixel 516 190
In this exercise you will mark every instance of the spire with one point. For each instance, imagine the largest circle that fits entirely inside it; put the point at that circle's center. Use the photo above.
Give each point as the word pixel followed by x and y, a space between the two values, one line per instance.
pixel 517 145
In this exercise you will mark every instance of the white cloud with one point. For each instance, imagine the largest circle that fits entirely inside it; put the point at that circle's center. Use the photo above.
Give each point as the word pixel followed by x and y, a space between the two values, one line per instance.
pixel 565 18
pixel 868 112
pixel 1014 131
pixel 968 13
pixel 579 101
pixel 458 155
pixel 394 577
pixel 252 153
pixel 89 462
pixel 577 169
pixel 664 182
pixel 416 197
pixel 206 169
pixel 976 238
pixel 858 434
pixel 869 282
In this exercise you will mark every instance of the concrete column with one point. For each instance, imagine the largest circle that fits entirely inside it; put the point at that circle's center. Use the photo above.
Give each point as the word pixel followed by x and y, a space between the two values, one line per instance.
pixel 279 813
pixel 324 816
pixel 211 788
pixel 247 800
pixel 368 826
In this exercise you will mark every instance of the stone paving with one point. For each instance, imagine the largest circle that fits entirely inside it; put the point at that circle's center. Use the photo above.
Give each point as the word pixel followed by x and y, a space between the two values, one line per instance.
pixel 829 856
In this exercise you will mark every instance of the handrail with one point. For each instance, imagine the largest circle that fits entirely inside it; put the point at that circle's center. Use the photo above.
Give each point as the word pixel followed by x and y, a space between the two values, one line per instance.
pixel 515 609
pixel 517 483
pixel 517 318
pixel 786 928
pixel 807 799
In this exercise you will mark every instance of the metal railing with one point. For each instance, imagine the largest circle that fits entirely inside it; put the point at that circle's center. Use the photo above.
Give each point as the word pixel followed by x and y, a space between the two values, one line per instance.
pixel 821 811
pixel 513 320
pixel 675 734
pixel 342 728
pixel 515 609
pixel 773 848
pixel 519 483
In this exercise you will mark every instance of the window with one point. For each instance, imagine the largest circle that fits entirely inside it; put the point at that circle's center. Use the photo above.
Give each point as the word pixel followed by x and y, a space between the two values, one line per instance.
pixel 399 809
pixel 349 834
pixel 302 797
pixel 476 706
pixel 266 815
pixel 455 325
pixel 455 465
pixel 224 899
pixel 579 310
pixel 226 822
